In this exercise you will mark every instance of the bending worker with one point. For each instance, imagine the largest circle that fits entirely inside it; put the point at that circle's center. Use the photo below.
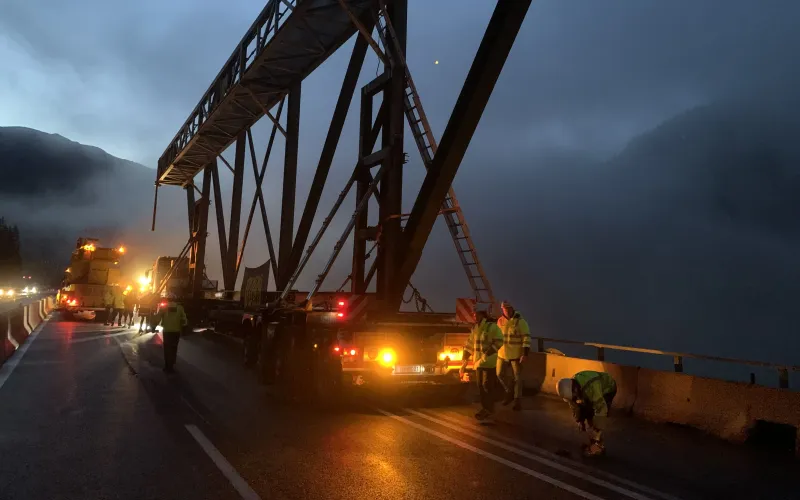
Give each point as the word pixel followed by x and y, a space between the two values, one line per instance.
pixel 589 395
pixel 516 345
pixel 172 319
pixel 484 341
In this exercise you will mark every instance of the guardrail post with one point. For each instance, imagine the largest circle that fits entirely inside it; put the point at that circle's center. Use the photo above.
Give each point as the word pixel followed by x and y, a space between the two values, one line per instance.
pixel 783 378
pixel 677 361
pixel 601 354
pixel 540 345
pixel 752 378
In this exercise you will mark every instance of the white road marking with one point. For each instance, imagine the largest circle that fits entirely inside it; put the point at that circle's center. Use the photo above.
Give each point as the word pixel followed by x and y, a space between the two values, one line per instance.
pixel 99 337
pixel 241 486
pixel 8 367
pixel 525 470
pixel 536 458
pixel 573 463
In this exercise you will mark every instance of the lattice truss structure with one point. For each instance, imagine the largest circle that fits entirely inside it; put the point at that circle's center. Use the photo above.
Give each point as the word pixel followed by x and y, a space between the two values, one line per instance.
pixel 263 78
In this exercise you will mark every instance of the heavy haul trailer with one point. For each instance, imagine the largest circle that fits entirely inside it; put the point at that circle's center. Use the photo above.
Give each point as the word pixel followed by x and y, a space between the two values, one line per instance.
pixel 295 342
pixel 322 349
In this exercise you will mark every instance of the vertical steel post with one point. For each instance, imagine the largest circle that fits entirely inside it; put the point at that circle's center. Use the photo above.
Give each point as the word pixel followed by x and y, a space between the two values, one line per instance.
pixel 190 206
pixel 289 187
pixel 391 189
pixel 201 224
pixel 365 146
pixel 234 222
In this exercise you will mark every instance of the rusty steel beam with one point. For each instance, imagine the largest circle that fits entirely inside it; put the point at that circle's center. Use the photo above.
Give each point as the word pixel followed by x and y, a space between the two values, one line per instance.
pixel 329 148
pixel 220 216
pixel 289 187
pixel 190 202
pixel 235 220
pixel 478 86
pixel 201 224
pixel 391 188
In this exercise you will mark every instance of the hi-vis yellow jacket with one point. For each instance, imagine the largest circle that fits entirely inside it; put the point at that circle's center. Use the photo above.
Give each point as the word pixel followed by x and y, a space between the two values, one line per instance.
pixel 516 336
pixel 483 343
pixel 172 318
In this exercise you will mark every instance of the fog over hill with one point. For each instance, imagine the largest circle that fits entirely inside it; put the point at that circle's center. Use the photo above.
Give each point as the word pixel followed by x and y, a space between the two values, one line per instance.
pixel 686 239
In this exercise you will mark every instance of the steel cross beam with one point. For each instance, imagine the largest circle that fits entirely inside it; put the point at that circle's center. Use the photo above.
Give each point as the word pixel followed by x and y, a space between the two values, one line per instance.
pixel 478 86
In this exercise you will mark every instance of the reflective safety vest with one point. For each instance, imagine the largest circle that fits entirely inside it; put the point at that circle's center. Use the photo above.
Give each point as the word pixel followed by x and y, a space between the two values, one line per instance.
pixel 119 301
pixel 594 386
pixel 172 318
pixel 516 336
pixel 484 341
pixel 108 298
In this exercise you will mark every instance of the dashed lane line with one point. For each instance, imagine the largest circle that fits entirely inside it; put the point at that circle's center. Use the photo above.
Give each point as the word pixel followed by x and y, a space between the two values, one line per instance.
pixel 495 436
pixel 530 456
pixel 8 367
pixel 521 468
pixel 241 486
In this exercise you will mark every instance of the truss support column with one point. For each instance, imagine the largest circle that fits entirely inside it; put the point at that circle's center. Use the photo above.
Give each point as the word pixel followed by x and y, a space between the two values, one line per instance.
pixel 289 188
pixel 391 189
pixel 234 222
pixel 190 202
pixel 365 145
pixel 200 220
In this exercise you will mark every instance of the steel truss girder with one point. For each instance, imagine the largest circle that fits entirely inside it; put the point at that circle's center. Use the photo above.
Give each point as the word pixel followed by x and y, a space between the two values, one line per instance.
pixel 302 41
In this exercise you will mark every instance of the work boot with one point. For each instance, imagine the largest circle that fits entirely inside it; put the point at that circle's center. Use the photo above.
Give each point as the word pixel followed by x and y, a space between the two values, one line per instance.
pixel 517 405
pixel 483 414
pixel 594 449
pixel 508 399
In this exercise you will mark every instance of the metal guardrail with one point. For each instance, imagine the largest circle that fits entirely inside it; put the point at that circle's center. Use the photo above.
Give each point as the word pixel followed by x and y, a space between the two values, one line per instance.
pixel 678 357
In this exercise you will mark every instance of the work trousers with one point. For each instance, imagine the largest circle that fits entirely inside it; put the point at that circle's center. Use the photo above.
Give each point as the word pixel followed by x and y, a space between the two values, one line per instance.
pixel 485 377
pixel 144 317
pixel 516 369
pixel 171 340
pixel 117 313
pixel 109 315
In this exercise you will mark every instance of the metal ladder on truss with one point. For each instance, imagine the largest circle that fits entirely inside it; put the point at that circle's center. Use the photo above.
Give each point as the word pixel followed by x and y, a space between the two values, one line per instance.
pixel 426 143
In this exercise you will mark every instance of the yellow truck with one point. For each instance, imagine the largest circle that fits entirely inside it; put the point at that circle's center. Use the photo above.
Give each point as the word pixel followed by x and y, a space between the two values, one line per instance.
pixel 92 271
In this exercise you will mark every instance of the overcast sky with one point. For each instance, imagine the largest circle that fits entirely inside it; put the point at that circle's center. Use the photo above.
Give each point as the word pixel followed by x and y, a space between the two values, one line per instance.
pixel 587 74
pixel 585 77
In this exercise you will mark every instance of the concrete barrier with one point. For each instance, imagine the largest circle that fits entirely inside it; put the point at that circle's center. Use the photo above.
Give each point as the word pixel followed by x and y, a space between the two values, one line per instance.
pixel 32 316
pixel 729 410
pixel 543 371
pixel 17 331
pixel 5 329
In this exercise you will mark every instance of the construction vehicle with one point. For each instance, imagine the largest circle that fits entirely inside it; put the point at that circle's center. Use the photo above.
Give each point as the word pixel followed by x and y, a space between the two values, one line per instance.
pixel 169 276
pixel 92 271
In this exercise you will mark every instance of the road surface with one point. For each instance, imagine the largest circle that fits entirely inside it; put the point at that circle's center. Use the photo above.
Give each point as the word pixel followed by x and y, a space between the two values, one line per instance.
pixel 87 413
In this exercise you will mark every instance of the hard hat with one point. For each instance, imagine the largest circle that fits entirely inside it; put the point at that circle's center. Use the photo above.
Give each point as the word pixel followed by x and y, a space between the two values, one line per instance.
pixel 506 305
pixel 564 388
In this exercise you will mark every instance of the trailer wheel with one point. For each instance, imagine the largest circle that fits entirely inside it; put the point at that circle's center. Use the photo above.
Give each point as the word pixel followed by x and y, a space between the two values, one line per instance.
pixel 326 381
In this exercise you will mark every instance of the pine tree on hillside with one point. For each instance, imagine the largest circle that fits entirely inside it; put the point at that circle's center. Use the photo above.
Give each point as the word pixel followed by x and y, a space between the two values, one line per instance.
pixel 10 257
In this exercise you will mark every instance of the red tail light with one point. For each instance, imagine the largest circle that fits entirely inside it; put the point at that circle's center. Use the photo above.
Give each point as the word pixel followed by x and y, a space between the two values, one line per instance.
pixel 353 352
pixel 341 303
pixel 340 315
pixel 162 304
